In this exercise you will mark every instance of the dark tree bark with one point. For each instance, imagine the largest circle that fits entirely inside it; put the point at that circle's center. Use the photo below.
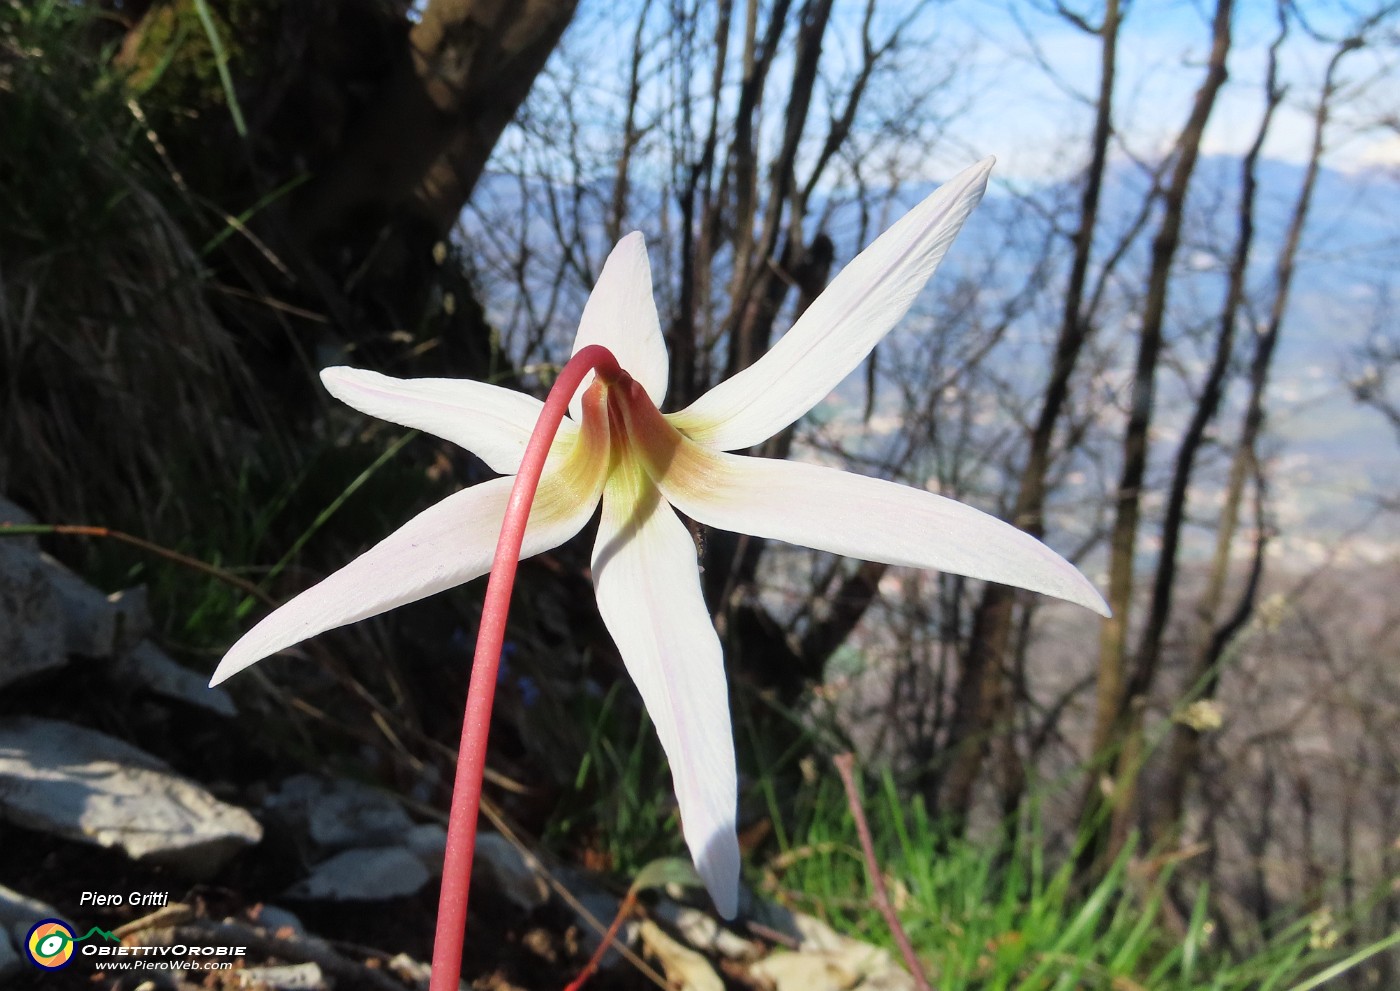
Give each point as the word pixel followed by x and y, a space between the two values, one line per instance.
pixel 1119 703
pixel 978 690
pixel 1212 391
pixel 366 133
pixel 1204 669
pixel 421 144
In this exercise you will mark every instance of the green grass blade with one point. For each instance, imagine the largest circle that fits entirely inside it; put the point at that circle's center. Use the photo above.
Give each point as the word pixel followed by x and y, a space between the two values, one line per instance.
pixel 221 61
pixel 1342 966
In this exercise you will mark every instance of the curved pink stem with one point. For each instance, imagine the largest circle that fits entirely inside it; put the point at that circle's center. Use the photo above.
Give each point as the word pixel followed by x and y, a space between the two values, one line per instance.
pixel 471 756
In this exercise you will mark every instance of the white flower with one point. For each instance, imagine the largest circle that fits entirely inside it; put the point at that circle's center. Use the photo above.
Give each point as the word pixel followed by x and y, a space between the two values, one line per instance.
pixel 618 449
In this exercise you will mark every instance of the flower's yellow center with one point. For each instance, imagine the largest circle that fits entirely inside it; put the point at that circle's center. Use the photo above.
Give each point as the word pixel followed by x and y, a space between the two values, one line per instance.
pixel 639 438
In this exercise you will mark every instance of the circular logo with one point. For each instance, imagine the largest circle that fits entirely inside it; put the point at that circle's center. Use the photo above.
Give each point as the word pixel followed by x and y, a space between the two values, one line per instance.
pixel 50 944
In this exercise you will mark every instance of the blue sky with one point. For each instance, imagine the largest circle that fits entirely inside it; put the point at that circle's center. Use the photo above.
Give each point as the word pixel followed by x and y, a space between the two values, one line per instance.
pixel 1021 76
pixel 1028 70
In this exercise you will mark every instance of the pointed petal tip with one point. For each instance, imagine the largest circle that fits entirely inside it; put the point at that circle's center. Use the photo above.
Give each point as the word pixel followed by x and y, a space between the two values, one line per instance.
pixel 337 374
pixel 718 866
pixel 977 174
pixel 223 672
pixel 341 381
pixel 621 316
pixel 237 659
pixel 835 334
pixel 1074 588
pixel 1082 592
pixel 727 906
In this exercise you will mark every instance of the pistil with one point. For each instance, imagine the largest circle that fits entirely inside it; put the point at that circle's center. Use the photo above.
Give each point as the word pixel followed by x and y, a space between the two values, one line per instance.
pixel 471 756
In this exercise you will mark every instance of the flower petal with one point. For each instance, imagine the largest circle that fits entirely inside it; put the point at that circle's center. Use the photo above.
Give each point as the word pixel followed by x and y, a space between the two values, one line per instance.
pixel 840 328
pixel 491 422
pixel 648 583
pixel 621 316
pixel 442 547
pixel 865 518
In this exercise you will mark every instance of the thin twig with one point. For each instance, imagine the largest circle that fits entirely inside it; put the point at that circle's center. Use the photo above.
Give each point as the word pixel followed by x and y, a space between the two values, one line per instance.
pixel 845 764
pixel 772 935
pixel 610 937
pixel 195 564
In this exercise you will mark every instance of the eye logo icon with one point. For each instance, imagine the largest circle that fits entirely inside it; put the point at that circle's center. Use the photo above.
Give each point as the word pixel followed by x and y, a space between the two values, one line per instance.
pixel 50 944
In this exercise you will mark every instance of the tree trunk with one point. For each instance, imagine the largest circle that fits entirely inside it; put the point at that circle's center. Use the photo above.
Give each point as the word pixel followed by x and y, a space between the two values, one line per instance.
pixel 423 142
pixel 977 691
pixel 1203 674
pixel 1119 704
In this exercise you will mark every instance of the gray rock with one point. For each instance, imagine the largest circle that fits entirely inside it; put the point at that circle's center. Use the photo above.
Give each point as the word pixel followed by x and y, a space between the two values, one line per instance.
pixel 10 960
pixel 766 913
pixel 363 875
pixel 96 624
pixel 603 906
pixel 339 814
pixel 75 782
pixel 48 613
pixel 33 637
pixel 514 874
pixel 275 920
pixel 18 913
pixel 13 514
pixel 131 608
pixel 148 666
pixel 428 842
